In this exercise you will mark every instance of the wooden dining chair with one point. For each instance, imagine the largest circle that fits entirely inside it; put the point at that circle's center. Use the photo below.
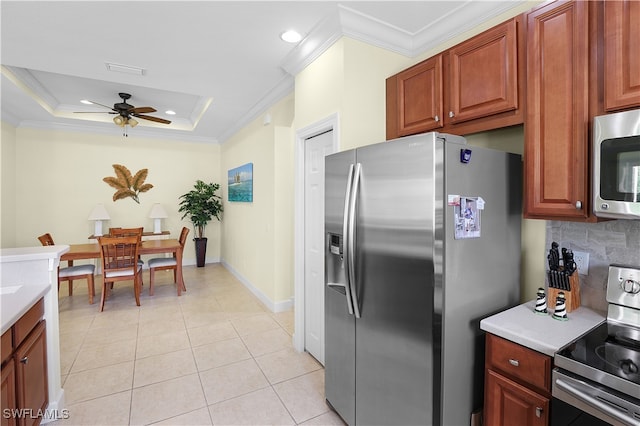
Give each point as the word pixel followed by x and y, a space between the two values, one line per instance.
pixel 167 263
pixel 120 263
pixel 127 232
pixel 71 272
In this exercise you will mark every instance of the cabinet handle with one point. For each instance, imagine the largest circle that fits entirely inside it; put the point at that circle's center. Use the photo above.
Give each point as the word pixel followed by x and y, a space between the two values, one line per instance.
pixel 451 114
pixel 578 205
pixel 538 412
pixel 25 360
pixel 436 118
pixel 514 362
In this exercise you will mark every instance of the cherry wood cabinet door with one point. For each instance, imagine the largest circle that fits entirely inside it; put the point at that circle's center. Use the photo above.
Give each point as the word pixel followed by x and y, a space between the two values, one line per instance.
pixel 621 54
pixel 556 160
pixel 31 374
pixel 509 403
pixel 419 97
pixel 8 393
pixel 484 74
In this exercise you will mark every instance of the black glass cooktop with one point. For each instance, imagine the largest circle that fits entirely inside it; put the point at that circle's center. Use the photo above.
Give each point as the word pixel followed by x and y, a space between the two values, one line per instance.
pixel 616 356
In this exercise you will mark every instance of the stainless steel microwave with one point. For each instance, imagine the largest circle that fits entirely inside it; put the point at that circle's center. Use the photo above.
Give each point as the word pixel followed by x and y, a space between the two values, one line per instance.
pixel 616 165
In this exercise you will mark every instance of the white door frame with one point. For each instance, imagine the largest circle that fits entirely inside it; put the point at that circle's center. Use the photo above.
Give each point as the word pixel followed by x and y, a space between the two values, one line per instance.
pixel 327 124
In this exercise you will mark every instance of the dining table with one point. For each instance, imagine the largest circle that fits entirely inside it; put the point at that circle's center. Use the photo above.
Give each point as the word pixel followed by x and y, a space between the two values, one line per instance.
pixel 92 251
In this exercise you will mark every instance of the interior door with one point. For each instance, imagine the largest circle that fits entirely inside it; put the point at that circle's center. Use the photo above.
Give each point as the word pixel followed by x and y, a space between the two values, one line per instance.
pixel 316 148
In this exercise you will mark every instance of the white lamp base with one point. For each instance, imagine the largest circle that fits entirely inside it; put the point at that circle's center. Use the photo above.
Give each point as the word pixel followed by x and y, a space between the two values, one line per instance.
pixel 157 226
pixel 98 230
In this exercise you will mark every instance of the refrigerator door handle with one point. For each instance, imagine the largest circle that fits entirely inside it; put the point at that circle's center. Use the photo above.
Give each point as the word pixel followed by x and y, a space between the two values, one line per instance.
pixel 345 233
pixel 350 240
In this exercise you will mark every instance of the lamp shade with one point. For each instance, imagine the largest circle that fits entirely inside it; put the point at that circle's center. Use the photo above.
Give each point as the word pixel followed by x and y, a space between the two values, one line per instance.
pixel 99 212
pixel 158 212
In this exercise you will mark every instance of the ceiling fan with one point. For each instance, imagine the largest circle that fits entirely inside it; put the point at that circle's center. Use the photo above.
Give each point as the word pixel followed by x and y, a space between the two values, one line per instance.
pixel 126 112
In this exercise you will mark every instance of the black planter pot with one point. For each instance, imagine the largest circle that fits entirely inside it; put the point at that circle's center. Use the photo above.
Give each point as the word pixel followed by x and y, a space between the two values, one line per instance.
pixel 201 251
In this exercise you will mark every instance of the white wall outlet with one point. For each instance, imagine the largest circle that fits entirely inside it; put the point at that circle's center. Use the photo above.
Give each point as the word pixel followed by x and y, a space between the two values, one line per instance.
pixel 582 262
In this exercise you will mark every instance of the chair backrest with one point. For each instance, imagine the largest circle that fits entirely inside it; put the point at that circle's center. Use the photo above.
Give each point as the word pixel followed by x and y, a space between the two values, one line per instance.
pixel 125 232
pixel 183 236
pixel 119 253
pixel 46 240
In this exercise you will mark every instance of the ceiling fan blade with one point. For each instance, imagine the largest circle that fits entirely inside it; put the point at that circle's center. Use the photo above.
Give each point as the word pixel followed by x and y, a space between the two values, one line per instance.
pixel 150 118
pixel 96 103
pixel 94 112
pixel 142 110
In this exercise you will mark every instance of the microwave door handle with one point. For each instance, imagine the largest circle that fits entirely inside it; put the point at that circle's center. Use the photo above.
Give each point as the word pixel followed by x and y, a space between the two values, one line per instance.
pixel 595 403
pixel 345 234
pixel 350 240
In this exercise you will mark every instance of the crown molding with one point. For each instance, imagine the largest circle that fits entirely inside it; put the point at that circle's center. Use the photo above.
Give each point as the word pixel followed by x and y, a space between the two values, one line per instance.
pixel 282 89
pixel 111 130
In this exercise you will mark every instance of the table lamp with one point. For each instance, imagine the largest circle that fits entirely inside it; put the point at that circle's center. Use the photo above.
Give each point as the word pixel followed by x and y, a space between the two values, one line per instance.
pixel 157 214
pixel 99 213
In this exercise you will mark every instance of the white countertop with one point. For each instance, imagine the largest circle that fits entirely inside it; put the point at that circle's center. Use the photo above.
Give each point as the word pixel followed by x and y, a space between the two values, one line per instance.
pixel 15 304
pixel 541 333
pixel 24 279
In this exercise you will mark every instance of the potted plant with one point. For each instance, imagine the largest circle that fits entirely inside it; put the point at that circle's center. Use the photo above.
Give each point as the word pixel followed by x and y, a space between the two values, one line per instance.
pixel 200 205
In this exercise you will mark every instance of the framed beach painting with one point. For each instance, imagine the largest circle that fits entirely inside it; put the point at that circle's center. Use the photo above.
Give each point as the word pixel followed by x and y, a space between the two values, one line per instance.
pixel 240 183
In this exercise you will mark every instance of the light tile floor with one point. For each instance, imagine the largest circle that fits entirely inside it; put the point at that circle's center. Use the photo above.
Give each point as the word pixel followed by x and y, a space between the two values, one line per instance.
pixel 214 356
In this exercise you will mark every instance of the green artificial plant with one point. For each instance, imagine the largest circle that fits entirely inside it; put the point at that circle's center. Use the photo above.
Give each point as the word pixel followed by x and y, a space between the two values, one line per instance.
pixel 200 205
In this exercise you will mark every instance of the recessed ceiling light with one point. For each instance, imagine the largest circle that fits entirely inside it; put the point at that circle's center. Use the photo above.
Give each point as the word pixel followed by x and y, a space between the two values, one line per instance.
pixel 170 112
pixel 86 102
pixel 291 36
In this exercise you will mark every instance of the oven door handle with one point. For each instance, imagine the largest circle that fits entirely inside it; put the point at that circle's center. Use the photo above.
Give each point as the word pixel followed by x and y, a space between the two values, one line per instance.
pixel 595 403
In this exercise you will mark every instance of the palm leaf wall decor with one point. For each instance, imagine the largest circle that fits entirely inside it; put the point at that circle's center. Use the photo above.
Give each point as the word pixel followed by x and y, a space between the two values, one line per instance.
pixel 126 184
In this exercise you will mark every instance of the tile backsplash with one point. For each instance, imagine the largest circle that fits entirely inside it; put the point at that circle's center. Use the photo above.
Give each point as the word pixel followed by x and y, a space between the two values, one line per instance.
pixel 615 241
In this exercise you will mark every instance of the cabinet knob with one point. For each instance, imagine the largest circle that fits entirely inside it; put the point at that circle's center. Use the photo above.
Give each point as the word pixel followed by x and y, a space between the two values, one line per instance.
pixel 436 118
pixel 538 412
pixel 578 205
pixel 451 114
pixel 514 362
pixel 25 360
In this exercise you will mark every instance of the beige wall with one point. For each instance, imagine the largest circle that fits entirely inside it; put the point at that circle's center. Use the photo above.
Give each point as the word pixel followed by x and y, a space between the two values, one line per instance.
pixel 8 186
pixel 60 181
pixel 257 241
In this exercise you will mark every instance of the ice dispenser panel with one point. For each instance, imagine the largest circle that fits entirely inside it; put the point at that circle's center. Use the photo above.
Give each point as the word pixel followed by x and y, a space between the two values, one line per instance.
pixel 335 264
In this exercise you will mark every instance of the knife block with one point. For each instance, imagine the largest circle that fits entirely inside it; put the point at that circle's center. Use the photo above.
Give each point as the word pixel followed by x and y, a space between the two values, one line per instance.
pixel 572 297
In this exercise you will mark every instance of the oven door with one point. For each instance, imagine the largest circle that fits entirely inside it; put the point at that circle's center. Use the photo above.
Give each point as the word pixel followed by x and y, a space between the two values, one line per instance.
pixel 587 401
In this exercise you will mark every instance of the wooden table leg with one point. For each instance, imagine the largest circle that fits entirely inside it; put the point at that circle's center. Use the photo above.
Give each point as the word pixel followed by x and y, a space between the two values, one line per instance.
pixel 180 282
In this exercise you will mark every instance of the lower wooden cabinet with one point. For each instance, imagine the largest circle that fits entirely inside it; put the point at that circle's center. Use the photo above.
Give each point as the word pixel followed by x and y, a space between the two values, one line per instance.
pixel 31 375
pixel 517 384
pixel 8 393
pixel 25 388
pixel 509 403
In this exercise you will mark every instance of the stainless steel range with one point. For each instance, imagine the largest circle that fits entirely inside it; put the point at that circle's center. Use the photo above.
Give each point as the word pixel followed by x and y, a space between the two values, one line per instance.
pixel 598 374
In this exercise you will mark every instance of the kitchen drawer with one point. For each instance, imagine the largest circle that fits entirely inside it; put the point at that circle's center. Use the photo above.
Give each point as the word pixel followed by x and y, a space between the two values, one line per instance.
pixel 6 346
pixel 27 322
pixel 530 367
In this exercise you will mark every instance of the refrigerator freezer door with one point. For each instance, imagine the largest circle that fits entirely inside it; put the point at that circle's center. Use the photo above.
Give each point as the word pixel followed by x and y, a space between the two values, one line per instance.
pixel 340 385
pixel 394 282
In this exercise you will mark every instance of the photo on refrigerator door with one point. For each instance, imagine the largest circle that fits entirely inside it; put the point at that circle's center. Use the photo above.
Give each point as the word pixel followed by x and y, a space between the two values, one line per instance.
pixel 467 218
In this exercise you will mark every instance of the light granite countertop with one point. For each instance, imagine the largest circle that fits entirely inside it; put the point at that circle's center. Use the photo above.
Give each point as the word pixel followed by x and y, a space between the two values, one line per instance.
pixel 541 333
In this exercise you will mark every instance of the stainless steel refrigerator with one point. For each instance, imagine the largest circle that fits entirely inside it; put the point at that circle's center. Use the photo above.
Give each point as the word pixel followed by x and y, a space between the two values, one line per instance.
pixel 422 242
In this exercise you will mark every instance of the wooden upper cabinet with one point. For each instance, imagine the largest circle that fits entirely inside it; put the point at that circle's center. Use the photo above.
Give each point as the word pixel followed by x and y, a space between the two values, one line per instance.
pixel 556 158
pixel 472 87
pixel 483 74
pixel 621 54
pixel 419 97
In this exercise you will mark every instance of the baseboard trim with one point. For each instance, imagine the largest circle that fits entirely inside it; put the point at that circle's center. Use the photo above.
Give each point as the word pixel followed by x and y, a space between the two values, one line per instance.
pixel 274 307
